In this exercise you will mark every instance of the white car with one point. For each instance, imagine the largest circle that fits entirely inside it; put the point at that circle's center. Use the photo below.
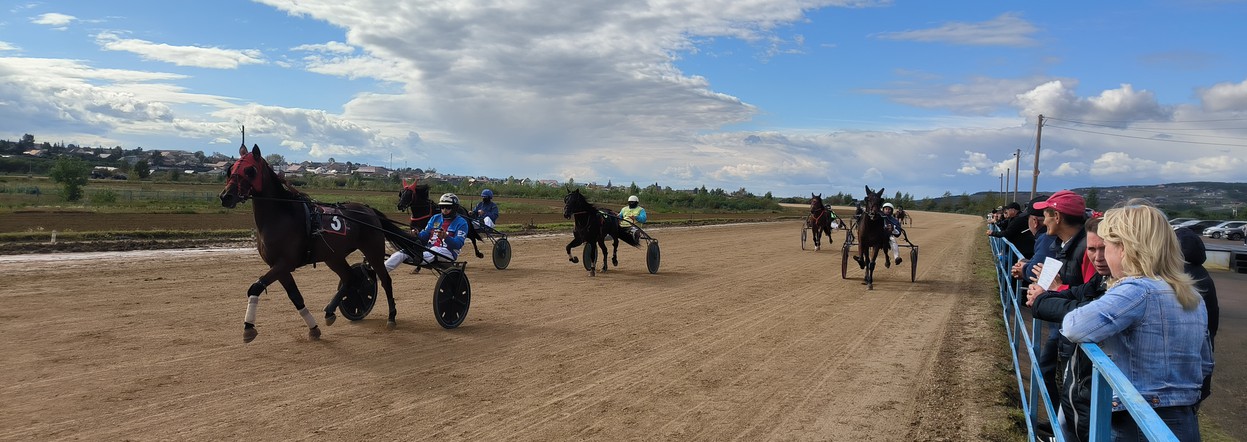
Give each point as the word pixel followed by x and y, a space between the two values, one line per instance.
pixel 1232 230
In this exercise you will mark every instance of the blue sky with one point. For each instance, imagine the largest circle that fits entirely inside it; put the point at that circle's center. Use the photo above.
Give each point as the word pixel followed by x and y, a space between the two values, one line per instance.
pixel 781 96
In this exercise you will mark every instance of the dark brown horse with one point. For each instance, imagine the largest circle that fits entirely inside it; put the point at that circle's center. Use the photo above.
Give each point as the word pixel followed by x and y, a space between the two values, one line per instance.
pixel 593 225
pixel 872 235
pixel 904 217
pixel 819 220
pixel 293 231
pixel 416 197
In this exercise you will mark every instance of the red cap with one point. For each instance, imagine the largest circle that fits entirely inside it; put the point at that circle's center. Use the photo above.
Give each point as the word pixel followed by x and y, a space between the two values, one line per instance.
pixel 1066 202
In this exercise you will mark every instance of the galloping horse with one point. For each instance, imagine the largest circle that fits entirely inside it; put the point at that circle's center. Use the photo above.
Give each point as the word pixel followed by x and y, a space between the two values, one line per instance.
pixel 872 235
pixel 293 231
pixel 416 197
pixel 819 220
pixel 904 217
pixel 592 226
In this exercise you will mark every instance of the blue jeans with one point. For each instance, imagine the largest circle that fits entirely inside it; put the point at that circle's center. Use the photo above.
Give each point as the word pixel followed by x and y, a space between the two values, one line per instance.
pixel 1182 420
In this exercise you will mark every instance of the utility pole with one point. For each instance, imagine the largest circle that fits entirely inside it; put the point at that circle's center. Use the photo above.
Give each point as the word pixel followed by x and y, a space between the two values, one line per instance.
pixel 1006 189
pixel 1035 178
pixel 1017 164
pixel 1002 186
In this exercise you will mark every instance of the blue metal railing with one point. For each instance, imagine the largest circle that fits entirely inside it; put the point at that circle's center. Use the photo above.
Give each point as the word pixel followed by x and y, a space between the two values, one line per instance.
pixel 1107 380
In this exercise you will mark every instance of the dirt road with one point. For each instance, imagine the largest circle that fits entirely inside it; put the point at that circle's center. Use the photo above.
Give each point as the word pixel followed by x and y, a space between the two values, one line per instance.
pixel 740 336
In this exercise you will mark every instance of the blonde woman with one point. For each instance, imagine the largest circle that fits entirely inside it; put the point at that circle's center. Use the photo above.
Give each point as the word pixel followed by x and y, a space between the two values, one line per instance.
pixel 1151 321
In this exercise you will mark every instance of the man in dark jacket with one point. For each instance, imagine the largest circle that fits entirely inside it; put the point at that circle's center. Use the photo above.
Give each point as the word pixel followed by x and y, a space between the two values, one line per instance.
pixel 1194 253
pixel 1075 389
pixel 1017 230
pixel 1064 216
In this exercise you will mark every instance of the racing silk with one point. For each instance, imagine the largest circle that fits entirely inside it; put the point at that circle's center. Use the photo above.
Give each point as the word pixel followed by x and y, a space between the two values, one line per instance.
pixel 456 232
pixel 638 212
pixel 490 210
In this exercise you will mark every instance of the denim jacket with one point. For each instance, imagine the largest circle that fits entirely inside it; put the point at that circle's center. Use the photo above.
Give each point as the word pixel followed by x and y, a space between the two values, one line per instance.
pixel 1160 347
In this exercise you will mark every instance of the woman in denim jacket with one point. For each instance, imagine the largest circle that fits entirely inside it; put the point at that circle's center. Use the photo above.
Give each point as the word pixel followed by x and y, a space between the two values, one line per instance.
pixel 1151 322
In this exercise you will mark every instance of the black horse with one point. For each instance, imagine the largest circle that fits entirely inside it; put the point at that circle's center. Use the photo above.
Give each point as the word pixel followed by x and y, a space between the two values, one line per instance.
pixel 592 225
pixel 416 197
pixel 819 220
pixel 293 231
pixel 904 217
pixel 872 235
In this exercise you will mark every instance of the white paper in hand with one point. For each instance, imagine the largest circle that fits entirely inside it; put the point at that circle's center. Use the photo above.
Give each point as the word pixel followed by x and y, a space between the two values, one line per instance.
pixel 1051 266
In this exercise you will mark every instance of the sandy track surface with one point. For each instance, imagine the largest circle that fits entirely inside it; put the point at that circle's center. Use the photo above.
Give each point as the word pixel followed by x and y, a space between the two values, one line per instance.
pixel 740 336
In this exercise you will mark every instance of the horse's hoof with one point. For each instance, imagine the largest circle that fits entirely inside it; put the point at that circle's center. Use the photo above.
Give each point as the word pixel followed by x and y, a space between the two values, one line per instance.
pixel 330 318
pixel 313 333
pixel 898 260
pixel 480 255
pixel 887 263
pixel 574 260
pixel 817 248
pixel 249 334
pixel 390 325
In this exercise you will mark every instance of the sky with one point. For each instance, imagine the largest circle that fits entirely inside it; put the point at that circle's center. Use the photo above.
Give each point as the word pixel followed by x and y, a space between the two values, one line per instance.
pixel 783 96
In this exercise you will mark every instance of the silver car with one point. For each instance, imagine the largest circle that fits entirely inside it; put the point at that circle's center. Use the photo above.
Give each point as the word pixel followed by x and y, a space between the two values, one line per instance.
pixel 1232 230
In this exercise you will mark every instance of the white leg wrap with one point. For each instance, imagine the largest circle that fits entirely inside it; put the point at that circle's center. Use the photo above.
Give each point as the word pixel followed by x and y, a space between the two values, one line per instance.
pixel 252 303
pixel 896 250
pixel 394 260
pixel 307 317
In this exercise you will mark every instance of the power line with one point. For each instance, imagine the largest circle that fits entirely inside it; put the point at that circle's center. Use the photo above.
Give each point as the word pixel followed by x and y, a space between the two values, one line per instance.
pixel 1147 138
pixel 1165 132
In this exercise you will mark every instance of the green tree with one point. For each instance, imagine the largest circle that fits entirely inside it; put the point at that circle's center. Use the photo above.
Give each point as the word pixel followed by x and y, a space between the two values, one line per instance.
pixel 1093 198
pixel 71 173
pixel 142 170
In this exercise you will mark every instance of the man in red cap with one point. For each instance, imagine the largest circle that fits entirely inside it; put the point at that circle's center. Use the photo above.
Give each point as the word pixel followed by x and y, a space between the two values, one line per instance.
pixel 1064 214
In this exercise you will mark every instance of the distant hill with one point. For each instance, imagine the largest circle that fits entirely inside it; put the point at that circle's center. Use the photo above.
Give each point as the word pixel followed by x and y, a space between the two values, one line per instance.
pixel 1197 199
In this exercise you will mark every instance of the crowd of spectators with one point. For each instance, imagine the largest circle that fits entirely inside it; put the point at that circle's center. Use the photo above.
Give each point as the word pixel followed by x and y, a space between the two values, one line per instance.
pixel 1128 282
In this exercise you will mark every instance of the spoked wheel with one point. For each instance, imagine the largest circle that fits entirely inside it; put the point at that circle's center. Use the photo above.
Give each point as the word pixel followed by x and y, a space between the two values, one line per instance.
pixel 803 234
pixel 451 297
pixel 844 261
pixel 502 254
pixel 652 257
pixel 913 264
pixel 590 257
pixel 360 293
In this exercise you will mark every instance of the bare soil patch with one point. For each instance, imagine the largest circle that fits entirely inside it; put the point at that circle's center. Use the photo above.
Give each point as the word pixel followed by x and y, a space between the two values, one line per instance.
pixel 741 335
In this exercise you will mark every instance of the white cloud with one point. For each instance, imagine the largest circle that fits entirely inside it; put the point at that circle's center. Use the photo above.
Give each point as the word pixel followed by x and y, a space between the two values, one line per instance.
pixel 1225 97
pixel 1057 98
pixel 974 163
pixel 1008 29
pixel 1067 169
pixel 335 47
pixel 6 46
pixel 215 58
pixel 56 20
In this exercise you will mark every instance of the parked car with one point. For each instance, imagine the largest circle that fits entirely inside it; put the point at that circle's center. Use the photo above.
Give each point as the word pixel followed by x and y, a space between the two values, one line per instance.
pixel 1197 225
pixel 1232 230
pixel 1176 221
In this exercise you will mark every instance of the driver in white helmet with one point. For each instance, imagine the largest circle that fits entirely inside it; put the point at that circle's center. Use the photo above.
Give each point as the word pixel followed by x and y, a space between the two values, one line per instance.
pixel 633 212
pixel 444 235
pixel 894 228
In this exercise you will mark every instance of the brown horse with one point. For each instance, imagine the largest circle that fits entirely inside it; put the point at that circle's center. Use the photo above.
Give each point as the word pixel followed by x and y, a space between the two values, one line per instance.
pixel 293 231
pixel 819 220
pixel 872 235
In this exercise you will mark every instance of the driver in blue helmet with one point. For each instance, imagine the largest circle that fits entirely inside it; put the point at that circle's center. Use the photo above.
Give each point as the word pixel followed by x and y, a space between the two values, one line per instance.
pixel 486 210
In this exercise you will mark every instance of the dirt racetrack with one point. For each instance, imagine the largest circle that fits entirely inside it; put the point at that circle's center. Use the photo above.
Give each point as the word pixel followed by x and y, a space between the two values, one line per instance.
pixel 740 336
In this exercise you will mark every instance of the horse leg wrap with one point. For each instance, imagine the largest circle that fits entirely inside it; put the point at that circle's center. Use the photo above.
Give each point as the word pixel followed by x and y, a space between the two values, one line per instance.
pixel 307 317
pixel 253 302
pixel 257 288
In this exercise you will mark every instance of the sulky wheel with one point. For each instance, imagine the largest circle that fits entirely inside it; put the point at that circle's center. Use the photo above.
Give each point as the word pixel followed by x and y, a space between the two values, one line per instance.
pixel 803 234
pixel 844 261
pixel 590 255
pixel 359 293
pixel 652 257
pixel 502 254
pixel 913 264
pixel 451 297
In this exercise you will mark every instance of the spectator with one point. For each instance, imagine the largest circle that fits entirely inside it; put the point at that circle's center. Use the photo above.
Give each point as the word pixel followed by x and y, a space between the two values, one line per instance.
pixel 1151 322
pixel 1063 217
pixel 1194 253
pixel 1043 241
pixel 1074 413
pixel 1017 230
